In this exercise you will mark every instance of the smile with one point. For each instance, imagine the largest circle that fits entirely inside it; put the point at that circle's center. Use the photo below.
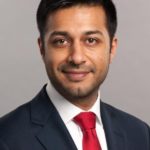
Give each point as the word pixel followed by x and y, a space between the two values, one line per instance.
pixel 76 76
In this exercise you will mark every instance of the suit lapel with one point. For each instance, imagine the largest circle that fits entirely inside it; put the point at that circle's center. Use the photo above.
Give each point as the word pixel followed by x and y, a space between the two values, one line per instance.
pixel 115 135
pixel 51 132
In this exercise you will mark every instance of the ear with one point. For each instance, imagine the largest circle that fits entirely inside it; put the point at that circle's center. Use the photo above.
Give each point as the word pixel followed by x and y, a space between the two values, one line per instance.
pixel 41 46
pixel 114 44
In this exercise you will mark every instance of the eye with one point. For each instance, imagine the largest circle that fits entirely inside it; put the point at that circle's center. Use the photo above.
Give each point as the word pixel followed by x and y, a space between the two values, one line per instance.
pixel 59 42
pixel 91 41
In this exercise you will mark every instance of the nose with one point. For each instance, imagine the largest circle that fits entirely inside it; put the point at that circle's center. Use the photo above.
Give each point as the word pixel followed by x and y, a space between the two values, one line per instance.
pixel 77 54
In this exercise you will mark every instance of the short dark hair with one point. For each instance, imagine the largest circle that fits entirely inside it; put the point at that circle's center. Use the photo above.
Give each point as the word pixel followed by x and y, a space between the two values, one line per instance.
pixel 47 7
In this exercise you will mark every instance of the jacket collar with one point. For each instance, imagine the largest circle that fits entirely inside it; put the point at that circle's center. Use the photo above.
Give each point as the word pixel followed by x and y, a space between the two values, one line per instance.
pixel 115 135
pixel 51 132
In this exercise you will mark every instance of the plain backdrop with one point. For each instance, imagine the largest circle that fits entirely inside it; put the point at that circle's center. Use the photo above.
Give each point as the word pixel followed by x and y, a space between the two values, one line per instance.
pixel 22 73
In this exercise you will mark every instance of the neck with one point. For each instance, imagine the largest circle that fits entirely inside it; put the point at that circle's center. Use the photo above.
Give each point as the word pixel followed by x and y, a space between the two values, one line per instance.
pixel 84 103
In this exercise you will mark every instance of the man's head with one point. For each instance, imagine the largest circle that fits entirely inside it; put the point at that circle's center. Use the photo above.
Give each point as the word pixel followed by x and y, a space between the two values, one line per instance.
pixel 48 7
pixel 77 48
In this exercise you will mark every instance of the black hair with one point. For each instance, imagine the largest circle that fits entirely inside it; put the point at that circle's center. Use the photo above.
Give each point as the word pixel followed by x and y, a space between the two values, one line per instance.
pixel 47 7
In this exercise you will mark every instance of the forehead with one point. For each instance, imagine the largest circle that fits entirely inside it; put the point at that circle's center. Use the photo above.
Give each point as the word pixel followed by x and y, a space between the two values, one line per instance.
pixel 77 18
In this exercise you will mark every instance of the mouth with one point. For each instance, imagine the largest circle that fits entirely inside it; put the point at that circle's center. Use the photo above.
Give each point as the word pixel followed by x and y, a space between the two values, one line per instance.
pixel 76 75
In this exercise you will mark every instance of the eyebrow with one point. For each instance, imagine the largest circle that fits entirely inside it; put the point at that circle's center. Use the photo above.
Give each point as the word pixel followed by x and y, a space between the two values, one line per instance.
pixel 62 33
pixel 93 32
pixel 66 34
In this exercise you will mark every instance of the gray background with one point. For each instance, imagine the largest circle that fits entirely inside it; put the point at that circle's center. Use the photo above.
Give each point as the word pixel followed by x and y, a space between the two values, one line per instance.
pixel 22 72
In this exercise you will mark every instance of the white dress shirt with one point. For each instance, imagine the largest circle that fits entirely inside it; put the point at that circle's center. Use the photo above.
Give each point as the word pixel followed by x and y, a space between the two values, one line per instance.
pixel 68 111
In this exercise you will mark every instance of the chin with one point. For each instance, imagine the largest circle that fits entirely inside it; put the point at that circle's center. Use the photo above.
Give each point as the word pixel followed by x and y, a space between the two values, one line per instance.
pixel 78 92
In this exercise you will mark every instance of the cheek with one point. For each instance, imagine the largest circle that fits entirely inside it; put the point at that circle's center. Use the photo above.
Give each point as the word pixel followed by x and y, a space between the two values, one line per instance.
pixel 99 58
pixel 54 59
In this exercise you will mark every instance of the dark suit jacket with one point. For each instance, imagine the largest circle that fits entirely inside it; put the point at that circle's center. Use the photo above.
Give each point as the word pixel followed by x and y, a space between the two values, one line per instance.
pixel 38 126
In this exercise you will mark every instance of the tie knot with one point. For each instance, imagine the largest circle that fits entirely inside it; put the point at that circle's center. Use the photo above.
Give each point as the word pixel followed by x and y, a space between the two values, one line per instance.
pixel 86 120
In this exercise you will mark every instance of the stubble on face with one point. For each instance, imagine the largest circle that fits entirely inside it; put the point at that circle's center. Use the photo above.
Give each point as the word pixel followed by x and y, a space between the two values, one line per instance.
pixel 83 97
pixel 77 92
pixel 78 82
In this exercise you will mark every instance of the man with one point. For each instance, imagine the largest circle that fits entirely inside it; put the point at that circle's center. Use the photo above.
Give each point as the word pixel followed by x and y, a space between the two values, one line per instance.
pixel 77 43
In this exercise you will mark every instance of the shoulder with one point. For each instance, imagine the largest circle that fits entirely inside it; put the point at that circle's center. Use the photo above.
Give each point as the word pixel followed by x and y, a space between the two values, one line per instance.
pixel 121 124
pixel 123 118
pixel 21 116
pixel 15 126
pixel 15 119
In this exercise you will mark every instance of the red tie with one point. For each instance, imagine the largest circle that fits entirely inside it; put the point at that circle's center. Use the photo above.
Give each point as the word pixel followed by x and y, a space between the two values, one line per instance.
pixel 86 121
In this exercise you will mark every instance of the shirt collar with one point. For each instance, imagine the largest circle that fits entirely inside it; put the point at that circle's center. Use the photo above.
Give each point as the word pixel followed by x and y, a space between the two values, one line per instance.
pixel 66 109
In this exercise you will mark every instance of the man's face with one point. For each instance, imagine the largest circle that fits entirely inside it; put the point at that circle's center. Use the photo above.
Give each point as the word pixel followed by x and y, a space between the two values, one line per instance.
pixel 77 50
